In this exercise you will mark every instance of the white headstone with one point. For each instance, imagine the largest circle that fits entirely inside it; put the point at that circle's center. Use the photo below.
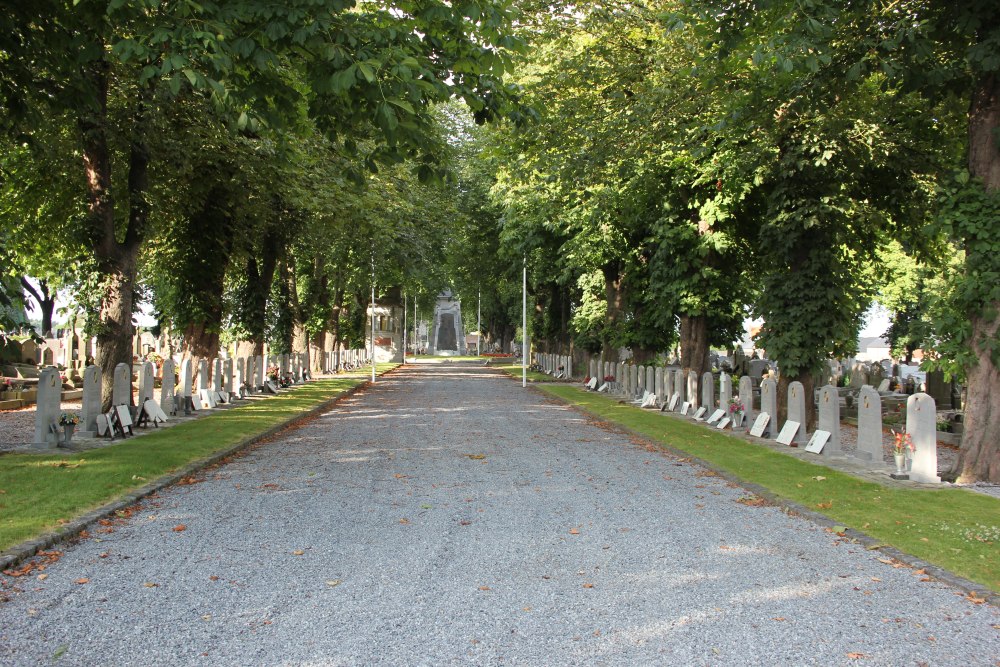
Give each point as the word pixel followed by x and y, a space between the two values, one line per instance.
pixel 121 393
pixel 202 375
pixel 797 411
pixel 217 375
pixel 725 391
pixel 677 383
pixel 869 425
pixel 717 415
pixel 651 380
pixel 658 386
pixel 227 376
pixel 673 402
pixel 769 403
pixel 760 425
pixel 921 424
pixel 147 374
pixel 723 423
pixel 692 388
pixel 47 408
pixel 817 441
pixel 241 374
pixel 685 406
pixel 699 414
pixel 788 431
pixel 828 419
pixel 185 387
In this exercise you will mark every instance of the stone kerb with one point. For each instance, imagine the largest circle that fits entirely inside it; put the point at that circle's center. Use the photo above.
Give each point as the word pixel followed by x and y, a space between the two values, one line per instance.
pixel 167 386
pixel 746 398
pixel 869 425
pixel 47 408
pixel 91 401
pixel 121 392
pixel 769 404
pixel 797 410
pixel 921 424
pixel 828 419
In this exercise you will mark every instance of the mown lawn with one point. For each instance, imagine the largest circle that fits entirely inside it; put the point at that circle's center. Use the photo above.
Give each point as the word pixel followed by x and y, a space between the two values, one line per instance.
pixel 38 491
pixel 955 529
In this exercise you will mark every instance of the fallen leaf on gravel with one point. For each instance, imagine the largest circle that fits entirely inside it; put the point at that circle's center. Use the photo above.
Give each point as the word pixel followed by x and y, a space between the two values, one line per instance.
pixel 43 577
pixel 270 486
pixel 150 584
pixel 298 552
pixel 751 501
pixel 105 522
pixel 527 609
pixel 724 547
pixel 778 618
pixel 588 585
pixel 876 579
pixel 856 656
pixel 405 522
pixel 213 578
pixel 333 582
pixel 206 617
pixel 83 580
pixel 574 531
pixel 484 588
pixel 104 555
pixel 974 598
pixel 476 457
pixel 188 481
pixel 399 476
pixel 180 528
pixel 464 522
pixel 699 506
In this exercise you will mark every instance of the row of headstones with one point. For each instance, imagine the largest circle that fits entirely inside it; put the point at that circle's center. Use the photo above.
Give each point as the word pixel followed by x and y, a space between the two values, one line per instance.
pixel 348 358
pixel 669 389
pixel 556 365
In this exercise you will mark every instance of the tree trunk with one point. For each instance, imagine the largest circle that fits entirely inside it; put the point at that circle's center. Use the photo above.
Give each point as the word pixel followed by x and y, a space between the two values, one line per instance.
pixel 46 303
pixel 694 343
pixel 338 310
pixel 613 297
pixel 979 455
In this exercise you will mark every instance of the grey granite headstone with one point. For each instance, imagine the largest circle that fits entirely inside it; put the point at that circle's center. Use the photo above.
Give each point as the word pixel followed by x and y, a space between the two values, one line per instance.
pixel 692 389
pixel 678 386
pixel 217 375
pixel 186 379
pixel 239 378
pixel 746 398
pixel 658 385
pixel 651 380
pixel 921 424
pixel 769 404
pixel 227 376
pixel 758 367
pixel 121 393
pixel 708 390
pixel 167 385
pixel 258 372
pixel 828 419
pixel 47 409
pixel 91 400
pixel 797 410
pixel 202 375
pixel 147 373
pixel 869 425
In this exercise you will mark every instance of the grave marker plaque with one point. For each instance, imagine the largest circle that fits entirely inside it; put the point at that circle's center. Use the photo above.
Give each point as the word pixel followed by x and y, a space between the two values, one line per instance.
pixel 788 431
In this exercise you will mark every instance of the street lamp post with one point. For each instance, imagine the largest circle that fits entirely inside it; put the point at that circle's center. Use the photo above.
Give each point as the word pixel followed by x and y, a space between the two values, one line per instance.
pixel 524 324
pixel 373 318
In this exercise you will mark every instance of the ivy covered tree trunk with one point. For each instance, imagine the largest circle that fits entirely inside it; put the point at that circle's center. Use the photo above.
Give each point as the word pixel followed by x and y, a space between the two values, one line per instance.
pixel 979 456
pixel 694 343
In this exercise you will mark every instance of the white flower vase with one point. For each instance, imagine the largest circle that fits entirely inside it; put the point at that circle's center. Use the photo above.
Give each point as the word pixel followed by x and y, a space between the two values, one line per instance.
pixel 900 460
pixel 68 430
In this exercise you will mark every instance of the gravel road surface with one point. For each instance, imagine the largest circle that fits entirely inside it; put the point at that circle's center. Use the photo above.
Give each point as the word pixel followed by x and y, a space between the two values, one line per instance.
pixel 448 516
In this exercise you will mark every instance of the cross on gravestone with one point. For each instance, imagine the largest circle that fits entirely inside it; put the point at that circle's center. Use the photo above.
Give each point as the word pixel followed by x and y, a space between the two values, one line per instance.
pixel 47 409
pixel 708 390
pixel 692 388
pixel 797 411
pixel 91 401
pixel 869 425
pixel 769 405
pixel 725 391
pixel 828 419
pixel 147 373
pixel 746 398
pixel 921 424
pixel 167 383
pixel 121 392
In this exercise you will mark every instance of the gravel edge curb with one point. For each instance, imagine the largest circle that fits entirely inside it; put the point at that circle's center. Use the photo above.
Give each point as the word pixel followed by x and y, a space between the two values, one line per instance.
pixel 28 549
pixel 870 543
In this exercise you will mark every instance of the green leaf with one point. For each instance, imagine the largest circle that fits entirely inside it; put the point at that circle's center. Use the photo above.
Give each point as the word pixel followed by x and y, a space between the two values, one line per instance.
pixel 367 72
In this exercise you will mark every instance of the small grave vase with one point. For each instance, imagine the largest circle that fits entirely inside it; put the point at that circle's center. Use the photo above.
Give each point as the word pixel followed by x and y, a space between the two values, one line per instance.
pixel 68 430
pixel 900 460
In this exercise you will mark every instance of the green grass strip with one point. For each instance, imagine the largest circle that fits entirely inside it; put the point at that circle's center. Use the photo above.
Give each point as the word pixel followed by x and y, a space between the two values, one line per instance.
pixel 955 529
pixel 37 491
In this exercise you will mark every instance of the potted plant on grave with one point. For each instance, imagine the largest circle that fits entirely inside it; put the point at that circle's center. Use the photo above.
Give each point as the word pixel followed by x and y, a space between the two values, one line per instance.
pixel 609 378
pixel 6 390
pixel 68 420
pixel 901 447
pixel 736 410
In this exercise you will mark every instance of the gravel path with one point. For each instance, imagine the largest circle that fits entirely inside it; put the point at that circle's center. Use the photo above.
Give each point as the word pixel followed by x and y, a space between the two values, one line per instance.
pixel 447 516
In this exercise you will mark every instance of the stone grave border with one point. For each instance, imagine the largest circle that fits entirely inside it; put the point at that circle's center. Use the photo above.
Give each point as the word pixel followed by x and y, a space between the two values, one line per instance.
pixel 792 508
pixel 70 530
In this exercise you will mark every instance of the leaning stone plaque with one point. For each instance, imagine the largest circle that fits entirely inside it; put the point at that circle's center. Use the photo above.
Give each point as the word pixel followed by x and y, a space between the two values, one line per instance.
pixel 685 406
pixel 700 414
pixel 759 424
pixel 817 441
pixel 604 387
pixel 788 432
pixel 673 402
pixel 723 423
pixel 716 416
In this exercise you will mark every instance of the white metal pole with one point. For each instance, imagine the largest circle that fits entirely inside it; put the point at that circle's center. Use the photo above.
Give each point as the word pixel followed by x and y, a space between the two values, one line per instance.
pixel 524 325
pixel 404 327
pixel 479 324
